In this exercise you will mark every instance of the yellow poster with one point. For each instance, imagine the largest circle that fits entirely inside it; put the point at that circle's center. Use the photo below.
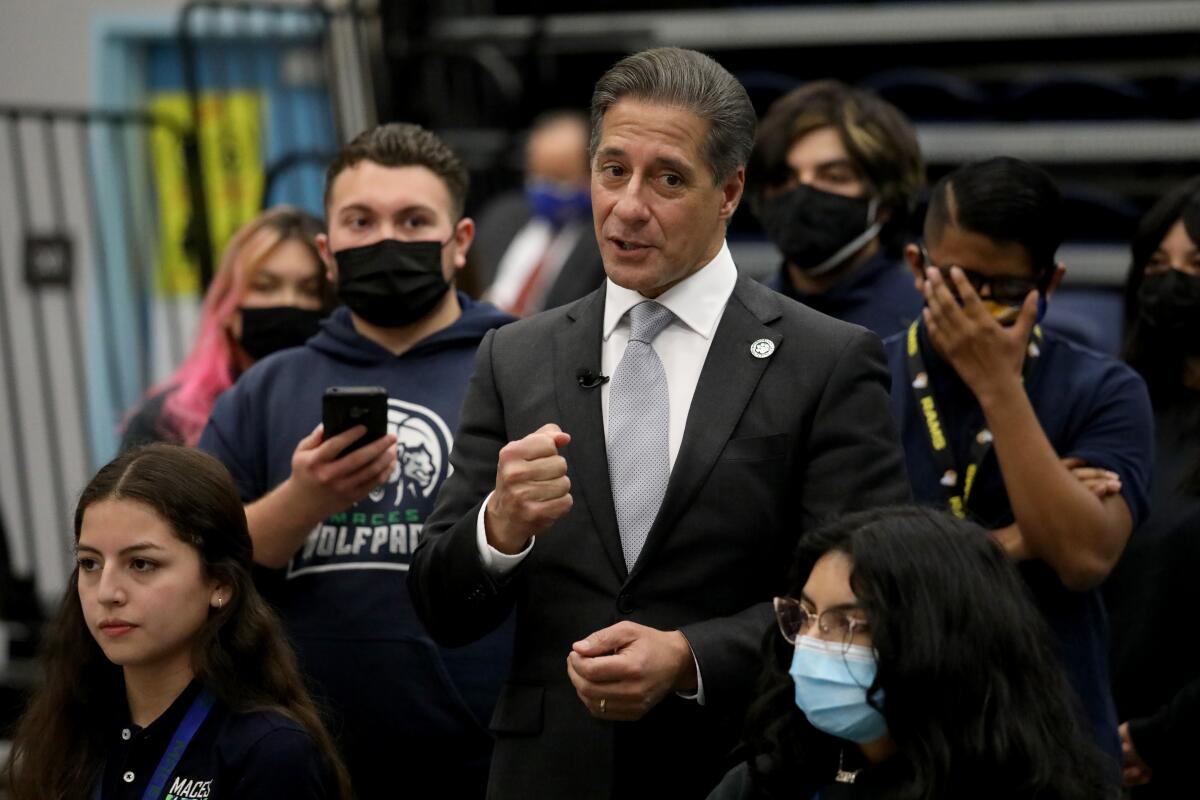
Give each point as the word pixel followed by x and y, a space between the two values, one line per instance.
pixel 231 154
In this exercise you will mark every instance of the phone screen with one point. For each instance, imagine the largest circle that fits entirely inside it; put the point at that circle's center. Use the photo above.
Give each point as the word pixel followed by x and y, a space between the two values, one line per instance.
pixel 343 407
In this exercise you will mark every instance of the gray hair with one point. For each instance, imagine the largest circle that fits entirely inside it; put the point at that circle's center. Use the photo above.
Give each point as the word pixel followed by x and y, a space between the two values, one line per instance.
pixel 690 80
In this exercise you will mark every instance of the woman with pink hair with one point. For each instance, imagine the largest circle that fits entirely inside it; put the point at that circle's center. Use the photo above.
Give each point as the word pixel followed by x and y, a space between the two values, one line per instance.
pixel 269 293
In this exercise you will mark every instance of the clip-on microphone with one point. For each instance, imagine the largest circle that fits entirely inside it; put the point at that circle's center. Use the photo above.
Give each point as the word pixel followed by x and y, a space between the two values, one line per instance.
pixel 588 379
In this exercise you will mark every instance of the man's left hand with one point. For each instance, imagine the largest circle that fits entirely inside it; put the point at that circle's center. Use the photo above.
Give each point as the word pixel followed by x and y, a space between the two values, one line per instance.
pixel 986 355
pixel 624 670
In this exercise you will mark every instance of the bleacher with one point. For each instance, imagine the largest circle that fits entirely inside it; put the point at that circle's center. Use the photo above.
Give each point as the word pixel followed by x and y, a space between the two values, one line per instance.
pixel 1102 94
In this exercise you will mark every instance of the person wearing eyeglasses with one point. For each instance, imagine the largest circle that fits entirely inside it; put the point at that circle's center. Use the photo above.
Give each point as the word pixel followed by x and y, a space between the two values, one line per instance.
pixel 1040 440
pixel 909 662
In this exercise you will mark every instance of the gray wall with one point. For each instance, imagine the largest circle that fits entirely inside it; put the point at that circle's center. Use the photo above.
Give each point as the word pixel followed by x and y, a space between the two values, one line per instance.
pixel 46 45
pixel 48 51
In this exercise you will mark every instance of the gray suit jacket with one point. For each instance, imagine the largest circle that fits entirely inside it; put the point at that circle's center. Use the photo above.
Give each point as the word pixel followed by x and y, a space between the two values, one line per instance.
pixel 772 446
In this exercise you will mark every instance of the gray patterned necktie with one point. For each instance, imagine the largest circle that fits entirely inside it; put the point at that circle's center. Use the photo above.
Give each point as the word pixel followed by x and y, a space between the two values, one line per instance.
pixel 639 414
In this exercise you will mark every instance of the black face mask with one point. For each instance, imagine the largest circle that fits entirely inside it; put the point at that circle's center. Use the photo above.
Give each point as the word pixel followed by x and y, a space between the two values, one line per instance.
pixel 391 283
pixel 1169 302
pixel 818 231
pixel 266 330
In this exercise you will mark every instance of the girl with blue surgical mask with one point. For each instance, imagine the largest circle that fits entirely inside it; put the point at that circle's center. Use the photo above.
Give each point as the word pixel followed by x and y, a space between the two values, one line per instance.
pixel 908 661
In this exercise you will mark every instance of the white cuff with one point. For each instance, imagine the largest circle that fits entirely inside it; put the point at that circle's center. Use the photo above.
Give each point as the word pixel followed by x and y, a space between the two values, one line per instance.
pixel 698 695
pixel 497 563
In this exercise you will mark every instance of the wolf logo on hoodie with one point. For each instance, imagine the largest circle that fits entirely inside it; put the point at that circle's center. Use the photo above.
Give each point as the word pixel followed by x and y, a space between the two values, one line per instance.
pixel 375 534
pixel 423 450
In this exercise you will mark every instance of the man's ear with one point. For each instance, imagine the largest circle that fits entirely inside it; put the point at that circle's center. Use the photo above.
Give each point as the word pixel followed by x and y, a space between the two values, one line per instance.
pixel 731 192
pixel 916 265
pixel 464 234
pixel 1060 270
pixel 322 241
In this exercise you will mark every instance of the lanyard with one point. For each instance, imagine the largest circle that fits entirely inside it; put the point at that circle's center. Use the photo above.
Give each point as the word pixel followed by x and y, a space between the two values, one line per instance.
pixel 957 487
pixel 191 722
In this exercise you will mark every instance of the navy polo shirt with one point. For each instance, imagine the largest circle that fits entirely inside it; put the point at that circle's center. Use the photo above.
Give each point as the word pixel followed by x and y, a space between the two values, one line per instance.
pixel 243 756
pixel 1090 406
pixel 879 295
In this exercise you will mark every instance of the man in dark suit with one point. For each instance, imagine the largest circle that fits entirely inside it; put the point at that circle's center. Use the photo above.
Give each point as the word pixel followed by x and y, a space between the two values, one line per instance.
pixel 640 525
pixel 534 248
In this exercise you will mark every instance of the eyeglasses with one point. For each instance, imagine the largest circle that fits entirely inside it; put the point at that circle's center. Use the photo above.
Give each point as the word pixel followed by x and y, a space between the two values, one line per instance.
pixel 837 624
pixel 1000 289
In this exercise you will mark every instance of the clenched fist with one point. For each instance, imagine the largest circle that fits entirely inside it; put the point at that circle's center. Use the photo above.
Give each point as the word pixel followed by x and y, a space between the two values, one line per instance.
pixel 532 489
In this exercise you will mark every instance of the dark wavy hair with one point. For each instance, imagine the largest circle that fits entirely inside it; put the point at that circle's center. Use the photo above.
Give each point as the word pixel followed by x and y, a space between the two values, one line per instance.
pixel 876 135
pixel 240 652
pixel 973 692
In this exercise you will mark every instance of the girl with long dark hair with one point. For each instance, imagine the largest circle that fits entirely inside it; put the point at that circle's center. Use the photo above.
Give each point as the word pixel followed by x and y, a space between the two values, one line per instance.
pixel 910 662
pixel 165 671
pixel 1156 576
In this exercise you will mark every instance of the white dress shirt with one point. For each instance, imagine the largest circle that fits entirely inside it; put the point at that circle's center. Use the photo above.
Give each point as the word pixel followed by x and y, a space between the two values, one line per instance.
pixel 698 302
pixel 538 240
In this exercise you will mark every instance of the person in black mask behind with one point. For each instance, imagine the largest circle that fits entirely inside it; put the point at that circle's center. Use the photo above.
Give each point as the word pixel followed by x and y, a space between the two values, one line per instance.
pixel 334 531
pixel 270 293
pixel 833 178
pixel 1156 577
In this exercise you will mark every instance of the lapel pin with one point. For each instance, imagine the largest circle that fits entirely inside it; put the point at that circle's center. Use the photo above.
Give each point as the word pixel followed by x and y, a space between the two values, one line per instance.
pixel 762 348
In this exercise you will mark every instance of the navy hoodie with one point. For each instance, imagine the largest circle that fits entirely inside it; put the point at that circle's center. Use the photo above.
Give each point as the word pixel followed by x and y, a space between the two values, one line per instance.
pixel 399 701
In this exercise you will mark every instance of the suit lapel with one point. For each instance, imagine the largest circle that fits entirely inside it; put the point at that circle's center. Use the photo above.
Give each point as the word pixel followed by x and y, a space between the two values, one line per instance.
pixel 727 382
pixel 587 458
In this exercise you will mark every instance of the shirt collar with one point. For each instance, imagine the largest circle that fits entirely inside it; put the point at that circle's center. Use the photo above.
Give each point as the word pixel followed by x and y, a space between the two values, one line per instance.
pixel 697 301
pixel 164 725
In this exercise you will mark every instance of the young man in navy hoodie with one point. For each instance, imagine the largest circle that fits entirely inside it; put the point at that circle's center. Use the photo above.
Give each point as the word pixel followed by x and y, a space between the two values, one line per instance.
pixel 335 533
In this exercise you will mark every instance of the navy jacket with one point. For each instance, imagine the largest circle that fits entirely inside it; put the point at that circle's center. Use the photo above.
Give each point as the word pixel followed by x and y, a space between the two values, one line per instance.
pixel 879 295
pixel 1090 406
pixel 232 757
pixel 398 700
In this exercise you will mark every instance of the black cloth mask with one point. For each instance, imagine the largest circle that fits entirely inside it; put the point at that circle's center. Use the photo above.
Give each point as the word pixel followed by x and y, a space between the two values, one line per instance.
pixel 266 330
pixel 1169 302
pixel 391 283
pixel 817 231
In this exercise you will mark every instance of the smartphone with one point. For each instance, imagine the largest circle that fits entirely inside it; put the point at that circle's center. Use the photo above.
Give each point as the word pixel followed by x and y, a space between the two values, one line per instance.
pixel 343 407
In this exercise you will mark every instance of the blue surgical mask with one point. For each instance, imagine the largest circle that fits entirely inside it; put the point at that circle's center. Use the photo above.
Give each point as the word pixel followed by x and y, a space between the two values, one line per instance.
pixel 557 202
pixel 831 688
